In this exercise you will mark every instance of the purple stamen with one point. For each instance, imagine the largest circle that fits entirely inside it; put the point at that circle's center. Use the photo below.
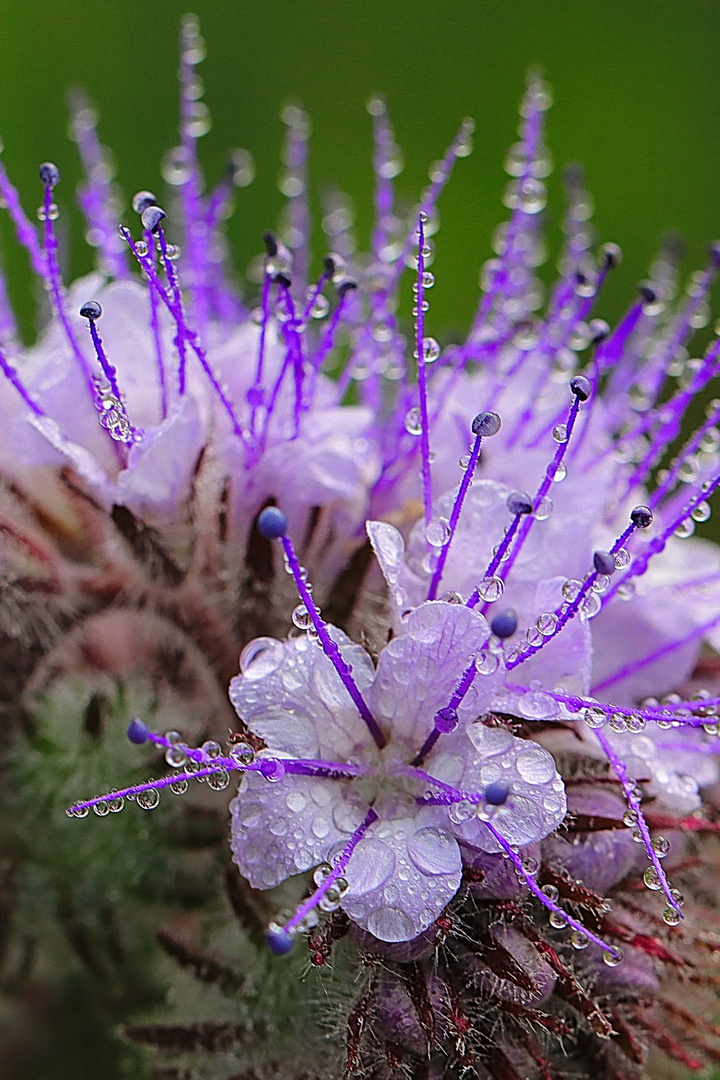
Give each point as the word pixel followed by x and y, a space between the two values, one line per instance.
pixel 443 718
pixel 255 394
pixel 10 373
pixel 633 801
pixel 174 284
pixel 637 665
pixel 294 186
pixel 52 275
pixel 336 872
pixel 640 563
pixel 658 714
pixel 565 613
pixel 330 649
pixel 483 425
pixel 124 429
pixel 185 332
pixel 96 195
pixel 422 377
pixel 545 900
pixel 194 121
pixel 23 227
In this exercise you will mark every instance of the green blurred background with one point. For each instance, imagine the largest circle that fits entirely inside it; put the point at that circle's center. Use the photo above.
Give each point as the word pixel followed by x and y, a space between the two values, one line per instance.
pixel 637 100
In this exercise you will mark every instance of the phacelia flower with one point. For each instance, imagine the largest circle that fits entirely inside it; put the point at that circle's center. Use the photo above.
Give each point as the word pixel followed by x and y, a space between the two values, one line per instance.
pixel 473 706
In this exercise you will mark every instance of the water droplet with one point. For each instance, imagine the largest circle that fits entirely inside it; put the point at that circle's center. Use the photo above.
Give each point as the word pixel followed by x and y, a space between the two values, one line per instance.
pixel 578 940
pixel 175 757
pixel 242 753
pixel 652 879
pixel 560 433
pixel 101 808
pixel 546 623
pixel 661 846
pixel 594 717
pixel 219 781
pixel 558 920
pixel 491 589
pixel 301 617
pixel 545 509
pixel 413 421
pixel 179 787
pixel 437 532
pixel 261 657
pixel 272 769
pixel 149 799
pixel 671 917
pixel 551 892
pixel 612 959
pixel 431 350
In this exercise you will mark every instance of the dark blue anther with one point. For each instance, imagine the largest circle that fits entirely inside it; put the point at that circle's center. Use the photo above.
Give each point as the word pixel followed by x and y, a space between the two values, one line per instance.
pixel 91 310
pixel 518 502
pixel 486 423
pixel 604 562
pixel 270 243
pixel 446 720
pixel 283 279
pixel 329 266
pixel 151 218
pixel 49 174
pixel 279 942
pixel 648 294
pixel 346 286
pixel 581 387
pixel 496 794
pixel 138 732
pixel 272 523
pixel 142 200
pixel 505 623
pixel 611 255
pixel 641 517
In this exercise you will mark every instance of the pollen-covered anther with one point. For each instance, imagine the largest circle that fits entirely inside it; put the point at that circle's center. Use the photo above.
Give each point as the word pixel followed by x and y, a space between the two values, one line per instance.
pixel 49 174
pixel 272 523
pixel 151 217
pixel 505 623
pixel 604 562
pixel 142 200
pixel 519 502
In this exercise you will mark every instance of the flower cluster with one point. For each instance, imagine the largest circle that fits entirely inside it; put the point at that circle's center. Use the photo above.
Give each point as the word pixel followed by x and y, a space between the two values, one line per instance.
pixel 485 723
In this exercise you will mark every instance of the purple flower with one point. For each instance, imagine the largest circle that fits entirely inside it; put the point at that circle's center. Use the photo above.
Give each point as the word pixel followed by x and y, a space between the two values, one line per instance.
pixel 407 864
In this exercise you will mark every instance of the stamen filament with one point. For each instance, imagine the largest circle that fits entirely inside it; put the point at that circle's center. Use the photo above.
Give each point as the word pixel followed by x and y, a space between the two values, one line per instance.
pixel 335 873
pixel 329 647
pixel 628 786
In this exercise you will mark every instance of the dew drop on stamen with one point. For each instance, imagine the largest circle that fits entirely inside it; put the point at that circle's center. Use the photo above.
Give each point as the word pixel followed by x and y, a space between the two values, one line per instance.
pixel 149 799
pixel 560 433
pixel 179 787
pixel 219 781
pixel 413 421
pixel 544 510
pixel 594 717
pixel 551 892
pixel 612 959
pixel 175 756
pixel 491 589
pixel 437 532
pixel 301 617
pixel 652 879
